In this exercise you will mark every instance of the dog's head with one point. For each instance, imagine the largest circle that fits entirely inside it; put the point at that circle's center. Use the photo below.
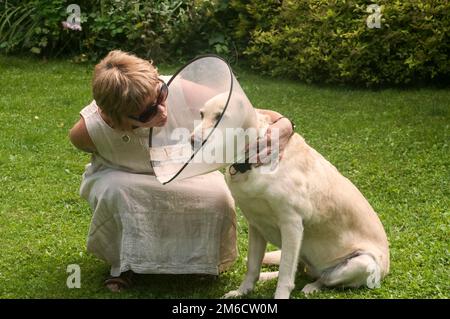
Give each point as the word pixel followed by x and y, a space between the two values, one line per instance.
pixel 238 114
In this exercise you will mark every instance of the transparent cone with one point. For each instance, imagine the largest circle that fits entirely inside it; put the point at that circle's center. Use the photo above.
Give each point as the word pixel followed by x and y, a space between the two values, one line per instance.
pixel 191 144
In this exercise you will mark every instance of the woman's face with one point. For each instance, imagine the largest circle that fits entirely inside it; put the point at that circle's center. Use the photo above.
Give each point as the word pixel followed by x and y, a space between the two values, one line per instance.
pixel 150 108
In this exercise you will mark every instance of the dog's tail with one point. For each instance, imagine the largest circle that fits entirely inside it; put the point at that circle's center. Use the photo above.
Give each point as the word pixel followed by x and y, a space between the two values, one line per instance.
pixel 272 258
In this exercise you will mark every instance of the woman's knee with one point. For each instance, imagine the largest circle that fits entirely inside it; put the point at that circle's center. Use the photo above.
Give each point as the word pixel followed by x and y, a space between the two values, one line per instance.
pixel 110 184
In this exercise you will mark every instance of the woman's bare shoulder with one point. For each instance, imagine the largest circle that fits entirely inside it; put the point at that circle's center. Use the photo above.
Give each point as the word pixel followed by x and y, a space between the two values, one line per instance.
pixel 80 138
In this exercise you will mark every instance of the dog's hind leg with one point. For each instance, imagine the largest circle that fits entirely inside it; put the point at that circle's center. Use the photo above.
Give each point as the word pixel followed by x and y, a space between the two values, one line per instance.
pixel 272 258
pixel 256 248
pixel 291 240
pixel 353 272
pixel 268 275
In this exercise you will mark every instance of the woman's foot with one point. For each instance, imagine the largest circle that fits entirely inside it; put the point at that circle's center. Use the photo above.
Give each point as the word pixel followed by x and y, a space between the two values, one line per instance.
pixel 118 284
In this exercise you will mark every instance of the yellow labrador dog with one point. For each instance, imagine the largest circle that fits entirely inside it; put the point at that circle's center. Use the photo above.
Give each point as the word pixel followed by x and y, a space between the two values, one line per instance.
pixel 317 217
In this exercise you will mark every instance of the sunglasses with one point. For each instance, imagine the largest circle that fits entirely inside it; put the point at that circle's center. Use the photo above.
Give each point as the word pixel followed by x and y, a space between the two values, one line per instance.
pixel 153 108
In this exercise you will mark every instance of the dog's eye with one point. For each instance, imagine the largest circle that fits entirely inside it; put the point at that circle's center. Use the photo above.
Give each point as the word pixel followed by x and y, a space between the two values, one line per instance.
pixel 201 115
pixel 218 116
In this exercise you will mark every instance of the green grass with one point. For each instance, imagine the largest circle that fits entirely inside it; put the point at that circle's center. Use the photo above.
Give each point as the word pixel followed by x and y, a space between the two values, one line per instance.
pixel 393 144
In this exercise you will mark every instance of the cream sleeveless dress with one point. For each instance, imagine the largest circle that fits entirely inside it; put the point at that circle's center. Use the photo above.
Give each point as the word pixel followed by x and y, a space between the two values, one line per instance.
pixel 184 227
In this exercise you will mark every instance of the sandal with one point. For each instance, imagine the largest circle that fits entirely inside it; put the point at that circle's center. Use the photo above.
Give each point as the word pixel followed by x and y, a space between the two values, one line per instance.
pixel 118 284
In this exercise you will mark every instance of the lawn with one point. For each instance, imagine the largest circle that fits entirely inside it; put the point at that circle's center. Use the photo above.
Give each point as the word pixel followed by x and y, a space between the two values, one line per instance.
pixel 393 144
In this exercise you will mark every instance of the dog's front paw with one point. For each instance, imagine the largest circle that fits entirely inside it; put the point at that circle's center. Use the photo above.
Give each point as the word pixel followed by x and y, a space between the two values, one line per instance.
pixel 233 294
pixel 311 288
pixel 285 294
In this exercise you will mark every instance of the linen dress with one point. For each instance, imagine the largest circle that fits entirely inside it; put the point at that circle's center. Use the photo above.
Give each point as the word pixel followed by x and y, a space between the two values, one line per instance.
pixel 184 227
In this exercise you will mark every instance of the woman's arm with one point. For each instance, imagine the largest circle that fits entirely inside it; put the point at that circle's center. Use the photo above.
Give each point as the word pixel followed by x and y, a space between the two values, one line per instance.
pixel 196 94
pixel 80 138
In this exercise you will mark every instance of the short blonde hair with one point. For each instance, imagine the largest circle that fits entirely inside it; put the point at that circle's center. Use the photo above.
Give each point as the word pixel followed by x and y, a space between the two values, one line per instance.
pixel 122 83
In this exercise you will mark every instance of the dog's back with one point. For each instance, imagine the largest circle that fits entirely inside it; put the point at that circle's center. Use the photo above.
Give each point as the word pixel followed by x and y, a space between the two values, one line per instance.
pixel 337 219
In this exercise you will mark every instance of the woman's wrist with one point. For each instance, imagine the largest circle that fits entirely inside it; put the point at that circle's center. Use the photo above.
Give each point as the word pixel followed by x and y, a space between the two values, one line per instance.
pixel 290 128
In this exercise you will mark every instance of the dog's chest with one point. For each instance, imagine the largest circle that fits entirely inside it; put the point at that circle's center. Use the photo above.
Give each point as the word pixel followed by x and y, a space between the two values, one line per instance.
pixel 259 214
pixel 252 194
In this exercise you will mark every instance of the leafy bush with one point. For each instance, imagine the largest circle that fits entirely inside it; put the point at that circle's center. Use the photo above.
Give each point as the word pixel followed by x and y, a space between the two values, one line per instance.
pixel 33 25
pixel 329 41
pixel 158 29
pixel 313 40
pixel 149 29
pixel 213 29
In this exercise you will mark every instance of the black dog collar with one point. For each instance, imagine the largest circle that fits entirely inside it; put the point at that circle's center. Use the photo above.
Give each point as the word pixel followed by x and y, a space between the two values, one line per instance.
pixel 240 167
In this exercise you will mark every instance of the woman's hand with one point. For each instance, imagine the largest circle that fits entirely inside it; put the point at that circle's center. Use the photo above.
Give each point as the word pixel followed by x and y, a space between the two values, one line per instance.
pixel 285 130
pixel 274 141
pixel 159 119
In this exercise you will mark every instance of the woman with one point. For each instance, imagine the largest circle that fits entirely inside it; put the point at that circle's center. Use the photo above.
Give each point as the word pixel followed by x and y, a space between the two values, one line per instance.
pixel 139 225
